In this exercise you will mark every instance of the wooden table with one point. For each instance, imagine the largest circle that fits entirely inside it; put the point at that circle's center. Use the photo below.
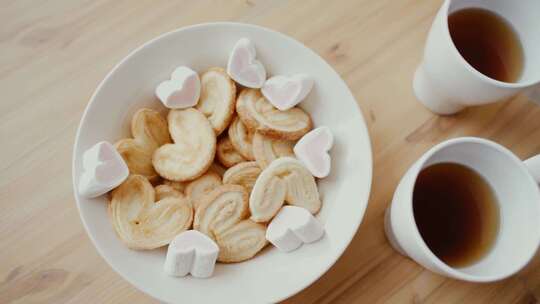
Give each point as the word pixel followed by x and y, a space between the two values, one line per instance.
pixel 54 53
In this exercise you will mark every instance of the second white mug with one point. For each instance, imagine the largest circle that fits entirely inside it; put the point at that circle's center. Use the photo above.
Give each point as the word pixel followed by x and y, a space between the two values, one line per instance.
pixel 445 83
pixel 514 184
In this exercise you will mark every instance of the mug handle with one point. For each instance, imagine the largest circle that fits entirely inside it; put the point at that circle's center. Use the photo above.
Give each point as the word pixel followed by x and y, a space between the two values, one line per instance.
pixel 533 165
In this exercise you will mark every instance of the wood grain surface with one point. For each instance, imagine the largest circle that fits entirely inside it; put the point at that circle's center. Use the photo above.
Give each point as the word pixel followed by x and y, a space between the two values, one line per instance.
pixel 54 53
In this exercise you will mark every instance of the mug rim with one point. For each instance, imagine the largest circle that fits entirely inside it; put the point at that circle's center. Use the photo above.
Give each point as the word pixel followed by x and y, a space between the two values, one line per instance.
pixel 469 67
pixel 445 268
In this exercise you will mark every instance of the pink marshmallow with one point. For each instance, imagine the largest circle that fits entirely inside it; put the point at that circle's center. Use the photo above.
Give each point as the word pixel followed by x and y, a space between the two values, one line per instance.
pixel 182 90
pixel 243 67
pixel 312 150
pixel 103 170
pixel 191 252
pixel 292 227
pixel 285 92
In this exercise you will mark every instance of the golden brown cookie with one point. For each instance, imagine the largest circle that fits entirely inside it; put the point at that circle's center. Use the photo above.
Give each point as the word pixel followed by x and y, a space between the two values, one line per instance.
pixel 204 184
pixel 227 154
pixel 241 138
pixel 193 150
pixel 217 168
pixel 221 209
pixel 266 149
pixel 178 186
pixel 260 115
pixel 143 223
pixel 244 174
pixel 286 179
pixel 164 191
pixel 241 242
pixel 149 131
pixel 218 93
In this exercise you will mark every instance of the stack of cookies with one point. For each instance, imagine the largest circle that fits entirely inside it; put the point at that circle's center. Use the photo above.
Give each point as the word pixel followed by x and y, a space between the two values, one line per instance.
pixel 224 167
pixel 229 155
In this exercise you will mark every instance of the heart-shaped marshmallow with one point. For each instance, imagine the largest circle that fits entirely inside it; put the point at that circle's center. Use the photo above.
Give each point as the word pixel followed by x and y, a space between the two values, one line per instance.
pixel 182 90
pixel 243 67
pixel 292 227
pixel 103 170
pixel 191 252
pixel 284 92
pixel 312 150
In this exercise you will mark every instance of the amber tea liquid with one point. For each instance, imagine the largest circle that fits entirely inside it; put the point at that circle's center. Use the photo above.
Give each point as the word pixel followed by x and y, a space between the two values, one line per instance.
pixel 488 43
pixel 456 213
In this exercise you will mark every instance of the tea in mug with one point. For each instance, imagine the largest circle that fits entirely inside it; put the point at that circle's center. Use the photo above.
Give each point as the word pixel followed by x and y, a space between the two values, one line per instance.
pixel 488 43
pixel 456 213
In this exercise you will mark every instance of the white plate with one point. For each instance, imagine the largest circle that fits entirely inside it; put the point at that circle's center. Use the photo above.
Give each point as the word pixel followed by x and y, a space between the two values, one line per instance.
pixel 271 276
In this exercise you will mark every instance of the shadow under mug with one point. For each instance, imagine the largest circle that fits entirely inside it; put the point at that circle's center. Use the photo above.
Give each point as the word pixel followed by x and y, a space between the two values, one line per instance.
pixel 515 186
pixel 445 83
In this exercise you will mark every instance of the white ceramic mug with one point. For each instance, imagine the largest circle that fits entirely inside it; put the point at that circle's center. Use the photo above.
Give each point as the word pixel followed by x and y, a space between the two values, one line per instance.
pixel 515 186
pixel 445 83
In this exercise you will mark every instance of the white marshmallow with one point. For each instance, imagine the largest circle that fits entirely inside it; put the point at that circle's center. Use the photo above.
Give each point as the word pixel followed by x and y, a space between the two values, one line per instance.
pixel 243 67
pixel 312 150
pixel 182 90
pixel 191 252
pixel 292 227
pixel 285 92
pixel 103 169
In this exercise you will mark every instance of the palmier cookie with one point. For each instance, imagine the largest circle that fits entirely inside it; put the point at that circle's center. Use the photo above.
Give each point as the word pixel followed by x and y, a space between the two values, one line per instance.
pixel 218 93
pixel 241 242
pixel 244 174
pixel 227 154
pixel 217 167
pixel 221 209
pixel 241 138
pixel 143 223
pixel 164 191
pixel 266 149
pixel 286 179
pixel 204 184
pixel 178 186
pixel 193 149
pixel 258 114
pixel 149 131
